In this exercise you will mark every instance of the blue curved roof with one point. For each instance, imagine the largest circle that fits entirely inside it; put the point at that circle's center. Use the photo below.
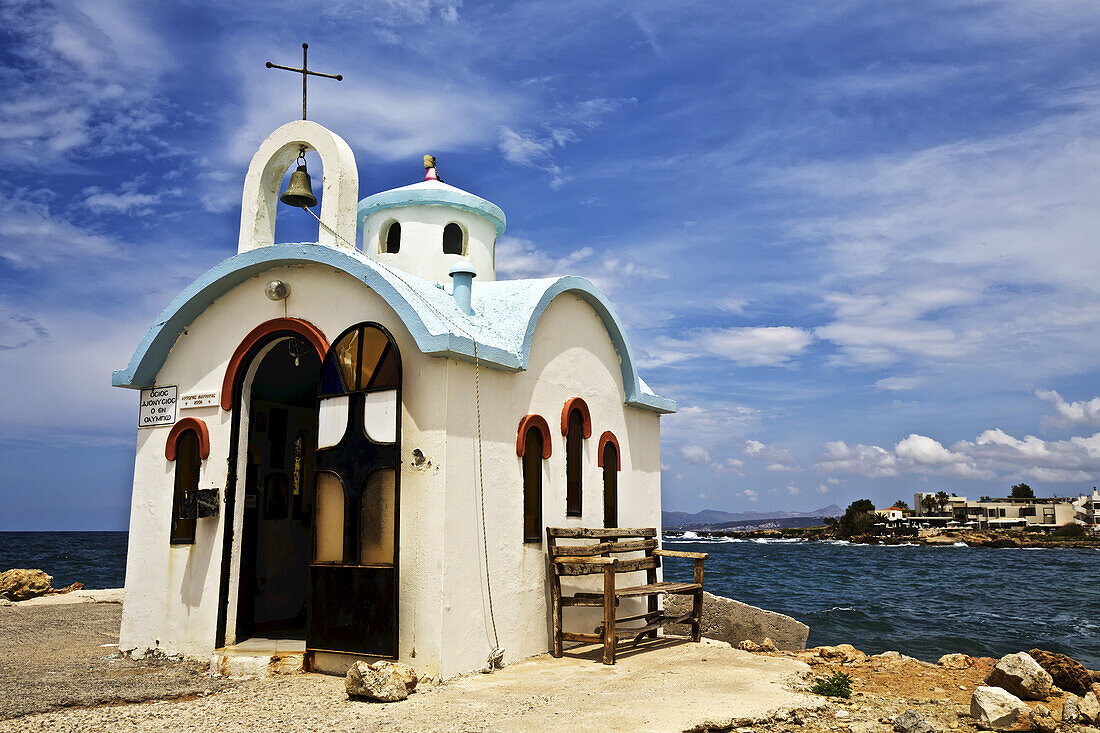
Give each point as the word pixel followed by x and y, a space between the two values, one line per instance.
pixel 506 313
pixel 432 193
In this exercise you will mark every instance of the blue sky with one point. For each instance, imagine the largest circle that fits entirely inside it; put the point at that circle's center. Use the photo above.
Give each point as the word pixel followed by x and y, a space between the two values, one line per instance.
pixel 856 241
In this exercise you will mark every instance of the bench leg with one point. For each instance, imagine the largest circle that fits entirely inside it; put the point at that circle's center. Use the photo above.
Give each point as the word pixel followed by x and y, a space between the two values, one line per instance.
pixel 609 614
pixel 697 615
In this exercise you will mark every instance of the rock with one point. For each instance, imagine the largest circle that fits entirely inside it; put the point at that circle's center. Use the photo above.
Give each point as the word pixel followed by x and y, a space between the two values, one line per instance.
pixel 70 588
pixel 731 621
pixel 749 645
pixel 19 585
pixel 912 721
pixel 996 709
pixel 1067 672
pixel 1071 710
pixel 768 645
pixel 1090 707
pixel 1043 723
pixel 1022 676
pixel 955 661
pixel 384 681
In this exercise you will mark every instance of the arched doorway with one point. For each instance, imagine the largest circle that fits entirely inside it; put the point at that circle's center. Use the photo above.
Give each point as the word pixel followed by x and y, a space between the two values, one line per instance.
pixel 279 490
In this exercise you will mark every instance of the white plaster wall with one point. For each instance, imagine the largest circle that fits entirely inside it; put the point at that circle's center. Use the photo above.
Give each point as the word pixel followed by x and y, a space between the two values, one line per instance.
pixel 571 356
pixel 172 592
pixel 421 250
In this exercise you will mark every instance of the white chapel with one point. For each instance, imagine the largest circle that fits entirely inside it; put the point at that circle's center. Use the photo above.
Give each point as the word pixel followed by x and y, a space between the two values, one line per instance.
pixel 355 449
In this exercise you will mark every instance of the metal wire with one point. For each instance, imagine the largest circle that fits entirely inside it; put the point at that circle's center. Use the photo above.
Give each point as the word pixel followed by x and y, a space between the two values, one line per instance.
pixel 496 654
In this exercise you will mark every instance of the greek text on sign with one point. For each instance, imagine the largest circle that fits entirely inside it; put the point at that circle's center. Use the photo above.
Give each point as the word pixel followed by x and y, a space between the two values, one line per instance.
pixel 158 407
pixel 198 399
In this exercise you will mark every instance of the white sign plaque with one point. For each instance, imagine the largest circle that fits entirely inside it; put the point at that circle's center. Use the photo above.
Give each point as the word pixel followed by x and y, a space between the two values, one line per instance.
pixel 158 407
pixel 198 399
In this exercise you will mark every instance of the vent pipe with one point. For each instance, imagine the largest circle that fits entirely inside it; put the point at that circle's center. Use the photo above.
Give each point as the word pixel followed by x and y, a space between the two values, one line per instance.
pixel 462 290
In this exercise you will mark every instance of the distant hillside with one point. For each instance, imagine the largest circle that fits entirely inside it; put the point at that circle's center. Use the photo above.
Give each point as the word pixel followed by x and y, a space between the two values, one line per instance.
pixel 715 518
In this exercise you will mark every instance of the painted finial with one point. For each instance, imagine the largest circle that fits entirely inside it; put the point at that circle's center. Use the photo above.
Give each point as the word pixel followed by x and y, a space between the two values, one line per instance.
pixel 430 173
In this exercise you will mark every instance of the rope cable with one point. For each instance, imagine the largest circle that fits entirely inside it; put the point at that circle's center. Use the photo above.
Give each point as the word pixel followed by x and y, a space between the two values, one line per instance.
pixel 496 654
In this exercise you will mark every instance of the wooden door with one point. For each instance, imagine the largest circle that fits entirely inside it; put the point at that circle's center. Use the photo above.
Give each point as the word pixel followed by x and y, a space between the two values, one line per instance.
pixel 353 577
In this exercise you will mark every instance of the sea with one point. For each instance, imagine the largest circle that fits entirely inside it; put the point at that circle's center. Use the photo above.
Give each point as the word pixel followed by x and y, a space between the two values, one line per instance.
pixel 919 600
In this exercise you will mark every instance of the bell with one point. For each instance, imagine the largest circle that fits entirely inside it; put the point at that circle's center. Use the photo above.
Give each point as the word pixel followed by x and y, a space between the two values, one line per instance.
pixel 299 191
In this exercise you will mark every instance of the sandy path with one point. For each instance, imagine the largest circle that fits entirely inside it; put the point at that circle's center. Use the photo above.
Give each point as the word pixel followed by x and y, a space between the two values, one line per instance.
pixel 53 655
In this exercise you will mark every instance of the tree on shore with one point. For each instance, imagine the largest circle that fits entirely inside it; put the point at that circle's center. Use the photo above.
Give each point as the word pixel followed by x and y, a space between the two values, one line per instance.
pixel 1022 491
pixel 928 503
pixel 942 499
pixel 859 518
pixel 901 504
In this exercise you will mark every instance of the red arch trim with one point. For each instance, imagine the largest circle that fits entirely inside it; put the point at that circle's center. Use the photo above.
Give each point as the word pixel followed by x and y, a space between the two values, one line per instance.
pixel 576 403
pixel 305 329
pixel 181 427
pixel 533 421
pixel 609 437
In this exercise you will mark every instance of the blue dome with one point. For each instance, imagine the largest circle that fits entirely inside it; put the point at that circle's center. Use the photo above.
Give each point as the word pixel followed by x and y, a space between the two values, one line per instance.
pixel 432 193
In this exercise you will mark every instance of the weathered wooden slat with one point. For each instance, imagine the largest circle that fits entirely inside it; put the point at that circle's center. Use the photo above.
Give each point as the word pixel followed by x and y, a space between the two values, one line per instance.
pixel 678 553
pixel 596 599
pixel 590 532
pixel 586 638
pixel 609 601
pixel 583 568
pixel 641 563
pixel 663 587
pixel 601 547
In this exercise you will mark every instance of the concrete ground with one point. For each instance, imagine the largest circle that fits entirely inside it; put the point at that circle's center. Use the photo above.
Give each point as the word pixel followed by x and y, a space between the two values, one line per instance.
pixel 62 651
pixel 672 685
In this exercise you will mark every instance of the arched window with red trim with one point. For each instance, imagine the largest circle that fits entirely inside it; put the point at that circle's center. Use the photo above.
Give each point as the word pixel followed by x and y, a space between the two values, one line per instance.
pixel 533 447
pixel 185 492
pixel 610 460
pixel 576 425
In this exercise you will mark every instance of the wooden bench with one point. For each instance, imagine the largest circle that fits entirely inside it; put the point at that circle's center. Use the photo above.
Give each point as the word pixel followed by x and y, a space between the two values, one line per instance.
pixel 594 557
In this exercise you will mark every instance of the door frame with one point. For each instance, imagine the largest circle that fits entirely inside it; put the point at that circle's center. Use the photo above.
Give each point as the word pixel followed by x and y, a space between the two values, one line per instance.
pixel 241 372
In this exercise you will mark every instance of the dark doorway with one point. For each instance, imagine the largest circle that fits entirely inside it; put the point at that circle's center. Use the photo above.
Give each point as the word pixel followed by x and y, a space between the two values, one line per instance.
pixel 279 493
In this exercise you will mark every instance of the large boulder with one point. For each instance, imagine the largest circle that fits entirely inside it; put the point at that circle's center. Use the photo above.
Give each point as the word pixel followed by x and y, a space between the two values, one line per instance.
pixel 996 709
pixel 1089 707
pixel 19 585
pixel 1067 672
pixel 732 621
pixel 1022 676
pixel 956 661
pixel 383 681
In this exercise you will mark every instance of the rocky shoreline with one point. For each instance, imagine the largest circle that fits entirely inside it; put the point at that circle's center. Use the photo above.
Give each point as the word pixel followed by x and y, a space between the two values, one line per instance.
pixel 1046 692
pixel 998 539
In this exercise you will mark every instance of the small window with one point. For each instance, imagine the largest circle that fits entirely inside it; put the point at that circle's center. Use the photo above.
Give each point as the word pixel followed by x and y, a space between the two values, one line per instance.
pixel 186 488
pixel 574 463
pixel 610 485
pixel 453 239
pixel 532 485
pixel 393 238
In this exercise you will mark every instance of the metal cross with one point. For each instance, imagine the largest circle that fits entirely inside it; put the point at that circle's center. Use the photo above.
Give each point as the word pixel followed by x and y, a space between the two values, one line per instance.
pixel 305 72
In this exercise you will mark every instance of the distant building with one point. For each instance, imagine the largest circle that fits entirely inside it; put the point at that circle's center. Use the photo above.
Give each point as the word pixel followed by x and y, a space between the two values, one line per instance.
pixel 1087 508
pixel 893 514
pixel 987 513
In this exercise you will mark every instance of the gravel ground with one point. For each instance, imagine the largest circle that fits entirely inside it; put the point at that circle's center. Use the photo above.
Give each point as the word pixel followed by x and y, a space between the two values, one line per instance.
pixel 55 656
pixel 672 686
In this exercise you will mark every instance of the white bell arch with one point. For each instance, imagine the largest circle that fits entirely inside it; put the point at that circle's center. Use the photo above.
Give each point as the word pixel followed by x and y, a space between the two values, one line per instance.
pixel 340 185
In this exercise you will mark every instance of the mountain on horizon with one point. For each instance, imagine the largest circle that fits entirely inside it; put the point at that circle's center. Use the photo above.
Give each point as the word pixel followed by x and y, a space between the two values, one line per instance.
pixel 715 516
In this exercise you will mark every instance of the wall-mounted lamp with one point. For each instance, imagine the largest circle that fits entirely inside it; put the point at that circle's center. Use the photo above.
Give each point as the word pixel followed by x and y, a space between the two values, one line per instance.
pixel 277 290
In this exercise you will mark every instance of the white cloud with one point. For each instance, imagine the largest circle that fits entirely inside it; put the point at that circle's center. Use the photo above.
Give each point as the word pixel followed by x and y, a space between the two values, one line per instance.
pixel 868 460
pixel 750 494
pixel 780 459
pixel 793 490
pixel 696 454
pixel 31 236
pixel 899 384
pixel 1070 413
pixel 822 489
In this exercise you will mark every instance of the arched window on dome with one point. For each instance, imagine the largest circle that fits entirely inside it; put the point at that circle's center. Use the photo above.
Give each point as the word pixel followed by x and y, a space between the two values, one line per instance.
pixel 454 240
pixel 392 238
